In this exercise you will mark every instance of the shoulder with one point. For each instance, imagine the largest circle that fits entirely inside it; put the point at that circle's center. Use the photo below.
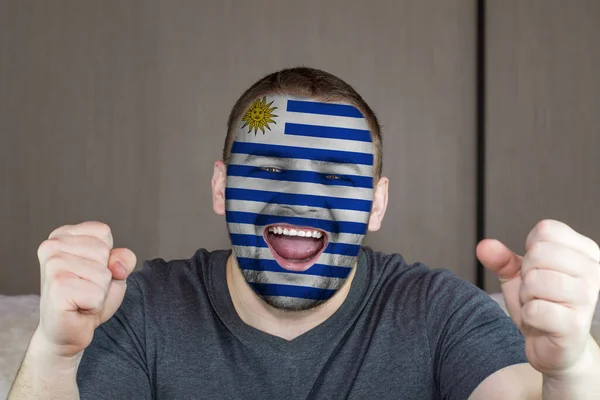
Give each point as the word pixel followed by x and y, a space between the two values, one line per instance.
pixel 391 269
pixel 160 280
pixel 433 294
pixel 160 271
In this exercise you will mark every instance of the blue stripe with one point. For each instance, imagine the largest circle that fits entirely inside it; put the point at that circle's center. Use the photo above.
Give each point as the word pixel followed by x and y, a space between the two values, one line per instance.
pixel 238 239
pixel 330 271
pixel 300 176
pixel 312 107
pixel 298 199
pixel 305 153
pixel 270 289
pixel 240 217
pixel 329 132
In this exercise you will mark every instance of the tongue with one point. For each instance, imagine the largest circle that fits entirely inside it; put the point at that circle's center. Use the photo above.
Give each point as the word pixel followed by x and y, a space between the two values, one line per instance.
pixel 295 248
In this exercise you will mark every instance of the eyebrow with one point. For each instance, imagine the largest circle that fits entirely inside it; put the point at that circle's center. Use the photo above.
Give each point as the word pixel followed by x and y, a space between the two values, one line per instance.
pixel 305 153
pixel 333 163
pixel 340 163
pixel 253 157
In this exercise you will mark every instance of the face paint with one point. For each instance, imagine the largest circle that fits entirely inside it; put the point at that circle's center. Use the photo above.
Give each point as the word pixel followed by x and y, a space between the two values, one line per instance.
pixel 298 196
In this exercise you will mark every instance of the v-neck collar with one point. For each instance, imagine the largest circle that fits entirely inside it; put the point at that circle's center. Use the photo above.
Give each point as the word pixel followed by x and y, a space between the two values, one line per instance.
pixel 330 329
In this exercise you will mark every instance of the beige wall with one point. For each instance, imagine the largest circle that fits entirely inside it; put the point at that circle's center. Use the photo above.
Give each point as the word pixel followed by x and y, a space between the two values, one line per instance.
pixel 116 110
pixel 543 110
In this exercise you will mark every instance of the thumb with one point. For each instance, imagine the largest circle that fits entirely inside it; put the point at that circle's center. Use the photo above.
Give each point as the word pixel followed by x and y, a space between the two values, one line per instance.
pixel 121 263
pixel 506 265
pixel 499 259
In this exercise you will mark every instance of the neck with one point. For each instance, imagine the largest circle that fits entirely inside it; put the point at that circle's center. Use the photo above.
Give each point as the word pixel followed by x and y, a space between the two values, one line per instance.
pixel 284 324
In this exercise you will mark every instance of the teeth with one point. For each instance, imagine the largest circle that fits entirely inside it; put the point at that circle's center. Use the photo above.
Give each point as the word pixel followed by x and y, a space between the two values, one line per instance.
pixel 295 232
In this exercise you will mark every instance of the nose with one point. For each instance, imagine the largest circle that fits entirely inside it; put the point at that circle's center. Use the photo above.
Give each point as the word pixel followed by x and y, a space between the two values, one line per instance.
pixel 309 200
pixel 288 210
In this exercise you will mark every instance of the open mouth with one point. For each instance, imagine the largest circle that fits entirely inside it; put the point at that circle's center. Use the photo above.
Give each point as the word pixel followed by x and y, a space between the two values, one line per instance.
pixel 295 248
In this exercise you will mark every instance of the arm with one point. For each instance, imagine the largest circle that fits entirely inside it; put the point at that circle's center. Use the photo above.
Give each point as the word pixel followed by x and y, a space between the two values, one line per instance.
pixel 114 365
pixel 43 374
pixel 523 382
pixel 551 293
pixel 471 338
pixel 82 285
pixel 516 382
pixel 582 383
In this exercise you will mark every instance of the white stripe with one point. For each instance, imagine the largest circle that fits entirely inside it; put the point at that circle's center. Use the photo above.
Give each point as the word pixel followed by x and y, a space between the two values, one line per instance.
pixel 305 165
pixel 264 253
pixel 315 189
pixel 315 119
pixel 325 120
pixel 282 278
pixel 249 229
pixel 346 215
pixel 306 142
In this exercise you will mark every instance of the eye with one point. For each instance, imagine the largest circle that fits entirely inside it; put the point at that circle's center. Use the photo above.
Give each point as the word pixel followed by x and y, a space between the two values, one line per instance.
pixel 339 179
pixel 270 169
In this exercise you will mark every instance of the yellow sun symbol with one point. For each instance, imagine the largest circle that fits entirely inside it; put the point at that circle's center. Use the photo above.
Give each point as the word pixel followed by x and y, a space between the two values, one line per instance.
pixel 259 116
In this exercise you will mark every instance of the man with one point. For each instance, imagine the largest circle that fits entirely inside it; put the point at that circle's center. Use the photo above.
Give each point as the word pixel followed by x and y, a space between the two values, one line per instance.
pixel 299 309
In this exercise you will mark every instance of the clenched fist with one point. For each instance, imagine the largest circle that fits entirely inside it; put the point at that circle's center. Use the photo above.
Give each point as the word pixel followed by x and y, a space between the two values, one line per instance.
pixel 82 285
pixel 551 293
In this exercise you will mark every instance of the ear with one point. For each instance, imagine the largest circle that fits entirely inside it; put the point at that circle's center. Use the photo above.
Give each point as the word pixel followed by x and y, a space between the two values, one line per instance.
pixel 380 200
pixel 218 187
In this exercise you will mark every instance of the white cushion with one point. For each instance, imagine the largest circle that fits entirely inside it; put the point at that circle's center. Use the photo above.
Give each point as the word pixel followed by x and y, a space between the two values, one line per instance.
pixel 19 317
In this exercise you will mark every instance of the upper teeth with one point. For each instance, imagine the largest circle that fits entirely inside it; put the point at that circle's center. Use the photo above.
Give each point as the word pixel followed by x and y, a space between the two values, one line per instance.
pixel 295 232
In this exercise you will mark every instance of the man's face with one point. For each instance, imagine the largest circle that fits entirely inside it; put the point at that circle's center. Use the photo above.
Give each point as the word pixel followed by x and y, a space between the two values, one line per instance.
pixel 298 195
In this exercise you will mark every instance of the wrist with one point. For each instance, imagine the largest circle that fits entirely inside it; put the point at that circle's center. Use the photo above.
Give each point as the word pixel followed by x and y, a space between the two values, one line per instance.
pixel 45 354
pixel 582 381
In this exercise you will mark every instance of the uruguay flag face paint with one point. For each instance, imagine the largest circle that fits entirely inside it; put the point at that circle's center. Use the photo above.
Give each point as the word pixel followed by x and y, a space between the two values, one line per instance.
pixel 298 197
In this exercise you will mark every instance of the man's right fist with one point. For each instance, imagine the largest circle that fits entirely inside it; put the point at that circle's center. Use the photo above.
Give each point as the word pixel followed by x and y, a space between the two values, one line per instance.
pixel 82 285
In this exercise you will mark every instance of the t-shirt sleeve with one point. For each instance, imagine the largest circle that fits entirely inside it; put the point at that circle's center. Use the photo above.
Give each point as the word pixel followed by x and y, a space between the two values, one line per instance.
pixel 469 334
pixel 114 365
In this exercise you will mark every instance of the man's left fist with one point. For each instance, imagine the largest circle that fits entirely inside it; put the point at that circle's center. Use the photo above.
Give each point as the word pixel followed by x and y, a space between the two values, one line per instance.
pixel 550 293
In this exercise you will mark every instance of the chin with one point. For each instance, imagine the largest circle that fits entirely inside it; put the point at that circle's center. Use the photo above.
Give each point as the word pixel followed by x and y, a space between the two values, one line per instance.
pixel 291 304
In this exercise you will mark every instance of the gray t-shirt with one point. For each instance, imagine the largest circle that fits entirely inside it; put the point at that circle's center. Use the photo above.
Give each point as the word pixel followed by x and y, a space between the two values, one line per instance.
pixel 404 332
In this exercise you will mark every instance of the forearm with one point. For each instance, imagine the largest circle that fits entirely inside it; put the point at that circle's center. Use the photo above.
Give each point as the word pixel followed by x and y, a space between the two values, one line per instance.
pixel 582 384
pixel 45 376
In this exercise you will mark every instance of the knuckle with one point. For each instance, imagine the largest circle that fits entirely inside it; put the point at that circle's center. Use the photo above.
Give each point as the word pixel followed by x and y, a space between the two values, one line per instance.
pixel 543 228
pixel 595 251
pixel 100 249
pixel 58 231
pixel 97 297
pixel 536 250
pixel 54 264
pixel 531 278
pixel 530 311
pixel 104 233
pixel 589 295
pixel 105 276
pixel 47 247
pixel 579 324
pixel 102 228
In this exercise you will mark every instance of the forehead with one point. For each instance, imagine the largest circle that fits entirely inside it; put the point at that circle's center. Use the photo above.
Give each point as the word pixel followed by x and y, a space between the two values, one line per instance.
pixel 284 126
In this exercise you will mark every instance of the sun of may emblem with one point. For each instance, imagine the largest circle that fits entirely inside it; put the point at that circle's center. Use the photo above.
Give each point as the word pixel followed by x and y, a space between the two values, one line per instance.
pixel 259 116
